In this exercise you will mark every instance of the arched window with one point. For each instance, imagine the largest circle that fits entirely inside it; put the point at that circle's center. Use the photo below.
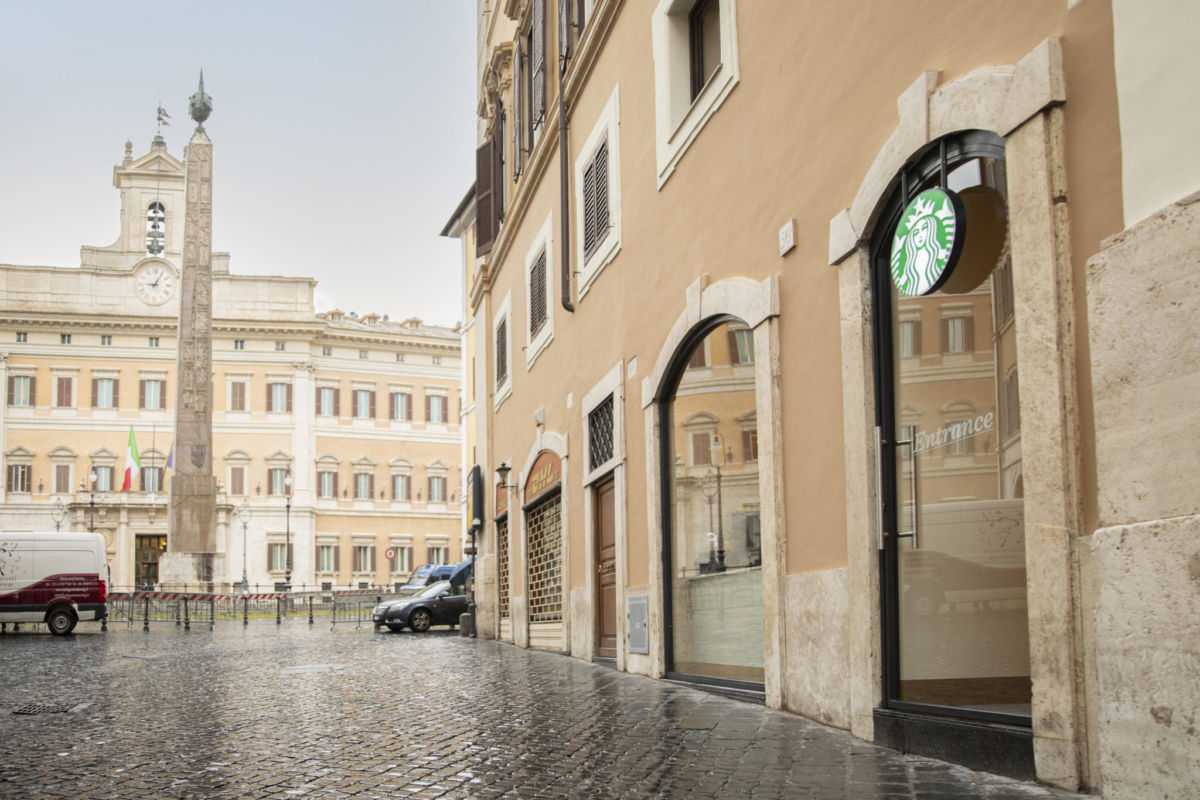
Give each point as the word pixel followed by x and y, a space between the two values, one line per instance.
pixel 156 229
pixel 712 543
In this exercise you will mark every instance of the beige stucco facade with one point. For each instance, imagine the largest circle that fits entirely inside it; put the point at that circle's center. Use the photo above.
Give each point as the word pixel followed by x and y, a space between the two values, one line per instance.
pixel 756 198
pixel 295 393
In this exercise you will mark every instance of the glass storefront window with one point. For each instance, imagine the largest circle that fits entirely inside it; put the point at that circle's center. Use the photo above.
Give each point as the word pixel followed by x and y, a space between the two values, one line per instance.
pixel 715 571
pixel 962 614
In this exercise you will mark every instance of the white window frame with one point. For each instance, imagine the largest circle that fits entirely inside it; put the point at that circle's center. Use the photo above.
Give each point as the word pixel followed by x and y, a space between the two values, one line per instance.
pixel 321 389
pixel 534 345
pixel 503 390
pixel 445 403
pixel 678 119
pixel 607 128
pixel 329 546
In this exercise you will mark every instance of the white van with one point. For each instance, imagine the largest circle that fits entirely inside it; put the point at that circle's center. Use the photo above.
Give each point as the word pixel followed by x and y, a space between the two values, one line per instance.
pixel 52 577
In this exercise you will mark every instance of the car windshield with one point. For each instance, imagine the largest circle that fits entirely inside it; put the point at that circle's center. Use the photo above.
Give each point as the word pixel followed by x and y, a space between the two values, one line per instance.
pixel 434 589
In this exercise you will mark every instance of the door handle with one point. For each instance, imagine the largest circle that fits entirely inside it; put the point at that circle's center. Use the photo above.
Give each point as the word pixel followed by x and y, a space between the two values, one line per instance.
pixel 879 484
pixel 913 492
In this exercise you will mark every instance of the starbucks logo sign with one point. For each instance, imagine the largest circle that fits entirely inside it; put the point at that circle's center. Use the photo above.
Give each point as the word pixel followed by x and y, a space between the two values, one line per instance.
pixel 928 241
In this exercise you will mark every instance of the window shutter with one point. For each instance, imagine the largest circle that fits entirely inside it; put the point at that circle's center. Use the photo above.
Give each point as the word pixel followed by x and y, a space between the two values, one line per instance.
pixel 518 117
pixel 969 333
pixel 538 55
pixel 392 401
pixel 270 564
pixel 317 402
pixel 95 389
pixel 335 485
pixel 33 394
pixel 337 558
pixel 116 393
pixel 537 294
pixel 372 558
pixel 502 352
pixel 12 383
pixel 945 335
pixel 289 397
pixel 337 401
pixel 701 453
pixel 916 338
pixel 428 415
pixel 162 394
pixel 64 392
pixel 141 394
pixel 485 191
pixel 733 346
pixel 372 404
pixel 589 208
pixel 371 486
pixel 601 162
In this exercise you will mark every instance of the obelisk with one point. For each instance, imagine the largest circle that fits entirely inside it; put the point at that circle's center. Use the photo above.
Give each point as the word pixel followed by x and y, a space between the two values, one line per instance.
pixel 191 532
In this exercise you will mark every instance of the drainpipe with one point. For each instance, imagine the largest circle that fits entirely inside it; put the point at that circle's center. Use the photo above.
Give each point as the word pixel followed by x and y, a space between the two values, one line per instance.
pixel 564 173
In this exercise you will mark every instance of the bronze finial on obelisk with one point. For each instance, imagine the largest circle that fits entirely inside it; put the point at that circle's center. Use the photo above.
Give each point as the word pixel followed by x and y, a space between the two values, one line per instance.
pixel 191 535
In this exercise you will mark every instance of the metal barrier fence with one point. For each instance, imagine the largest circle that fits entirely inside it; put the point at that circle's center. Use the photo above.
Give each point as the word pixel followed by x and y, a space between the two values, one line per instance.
pixel 207 608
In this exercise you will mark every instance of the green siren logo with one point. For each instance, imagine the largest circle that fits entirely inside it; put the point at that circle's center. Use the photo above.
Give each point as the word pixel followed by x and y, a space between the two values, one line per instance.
pixel 928 241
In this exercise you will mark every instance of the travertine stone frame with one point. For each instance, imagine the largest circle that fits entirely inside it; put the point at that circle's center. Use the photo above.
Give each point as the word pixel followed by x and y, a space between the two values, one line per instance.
pixel 1019 103
pixel 756 304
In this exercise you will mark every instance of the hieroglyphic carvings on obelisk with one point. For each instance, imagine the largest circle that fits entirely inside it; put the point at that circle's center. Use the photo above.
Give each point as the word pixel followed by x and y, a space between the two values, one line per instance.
pixel 193 486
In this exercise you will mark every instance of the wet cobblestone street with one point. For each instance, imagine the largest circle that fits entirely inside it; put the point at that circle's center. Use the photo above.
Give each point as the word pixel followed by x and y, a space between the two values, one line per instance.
pixel 294 711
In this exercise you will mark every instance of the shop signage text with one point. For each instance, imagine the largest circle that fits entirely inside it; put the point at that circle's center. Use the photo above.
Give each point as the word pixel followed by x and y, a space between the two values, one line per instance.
pixel 922 441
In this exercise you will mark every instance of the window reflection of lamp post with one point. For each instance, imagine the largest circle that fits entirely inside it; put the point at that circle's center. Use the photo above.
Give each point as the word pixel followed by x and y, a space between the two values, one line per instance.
pixel 722 456
pixel 243 515
pixel 287 549
pixel 57 513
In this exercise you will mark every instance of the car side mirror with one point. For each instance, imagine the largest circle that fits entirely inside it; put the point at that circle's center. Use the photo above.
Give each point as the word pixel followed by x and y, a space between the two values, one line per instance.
pixel 443 594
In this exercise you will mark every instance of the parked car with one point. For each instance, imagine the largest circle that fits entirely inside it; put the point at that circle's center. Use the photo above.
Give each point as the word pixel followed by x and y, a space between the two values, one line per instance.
pixel 439 603
pixel 427 574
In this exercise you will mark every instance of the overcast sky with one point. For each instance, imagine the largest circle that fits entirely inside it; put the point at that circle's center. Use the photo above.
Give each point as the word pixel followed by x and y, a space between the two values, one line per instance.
pixel 343 134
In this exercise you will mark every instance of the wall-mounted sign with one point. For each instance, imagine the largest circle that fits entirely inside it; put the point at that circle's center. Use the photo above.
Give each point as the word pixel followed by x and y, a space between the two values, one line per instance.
pixel 545 474
pixel 928 241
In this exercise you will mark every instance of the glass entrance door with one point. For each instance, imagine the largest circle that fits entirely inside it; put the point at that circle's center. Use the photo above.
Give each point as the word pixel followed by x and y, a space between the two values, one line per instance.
pixel 146 555
pixel 955 582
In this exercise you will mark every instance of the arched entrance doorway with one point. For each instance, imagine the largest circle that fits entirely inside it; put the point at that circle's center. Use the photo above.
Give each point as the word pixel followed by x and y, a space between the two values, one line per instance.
pixel 956 640
pixel 712 544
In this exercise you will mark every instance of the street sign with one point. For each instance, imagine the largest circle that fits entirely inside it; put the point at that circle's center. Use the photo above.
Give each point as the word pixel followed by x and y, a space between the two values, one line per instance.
pixel 390 553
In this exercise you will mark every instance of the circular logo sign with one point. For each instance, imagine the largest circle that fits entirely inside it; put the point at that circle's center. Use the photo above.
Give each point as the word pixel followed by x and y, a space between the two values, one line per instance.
pixel 390 553
pixel 928 241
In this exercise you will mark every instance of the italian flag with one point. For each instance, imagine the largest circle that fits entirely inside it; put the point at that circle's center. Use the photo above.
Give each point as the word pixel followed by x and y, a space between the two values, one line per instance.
pixel 133 463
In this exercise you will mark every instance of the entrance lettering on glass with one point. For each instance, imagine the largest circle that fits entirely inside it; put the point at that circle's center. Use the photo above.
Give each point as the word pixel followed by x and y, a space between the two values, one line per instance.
pixel 950 433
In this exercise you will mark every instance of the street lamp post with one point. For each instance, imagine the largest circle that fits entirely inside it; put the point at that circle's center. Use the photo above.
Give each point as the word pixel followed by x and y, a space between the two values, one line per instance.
pixel 243 515
pixel 287 551
pixel 92 502
pixel 57 513
pixel 721 456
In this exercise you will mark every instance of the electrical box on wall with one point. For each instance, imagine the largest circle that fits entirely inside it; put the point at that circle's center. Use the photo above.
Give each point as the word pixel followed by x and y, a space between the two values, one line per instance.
pixel 637 629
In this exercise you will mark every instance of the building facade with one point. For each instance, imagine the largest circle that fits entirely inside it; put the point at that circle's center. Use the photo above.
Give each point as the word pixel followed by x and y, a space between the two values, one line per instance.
pixel 335 436
pixel 806 341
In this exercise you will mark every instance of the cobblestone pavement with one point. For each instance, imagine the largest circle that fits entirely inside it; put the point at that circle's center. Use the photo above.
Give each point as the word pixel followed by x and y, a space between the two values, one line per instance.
pixel 304 712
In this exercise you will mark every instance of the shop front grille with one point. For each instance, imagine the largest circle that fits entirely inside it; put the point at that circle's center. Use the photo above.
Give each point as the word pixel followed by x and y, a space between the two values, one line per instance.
pixel 502 556
pixel 545 560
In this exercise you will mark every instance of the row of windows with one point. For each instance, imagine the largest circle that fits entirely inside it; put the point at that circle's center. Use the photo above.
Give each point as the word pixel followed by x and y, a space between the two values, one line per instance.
pixel 238 344
pixel 21 479
pixel 362 485
pixel 327 557
pixel 105 392
pixel 328 402
pixel 957 336
pixel 105 339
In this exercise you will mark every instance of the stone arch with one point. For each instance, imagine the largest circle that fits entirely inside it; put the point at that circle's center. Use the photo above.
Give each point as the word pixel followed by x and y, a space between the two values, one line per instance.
pixel 756 303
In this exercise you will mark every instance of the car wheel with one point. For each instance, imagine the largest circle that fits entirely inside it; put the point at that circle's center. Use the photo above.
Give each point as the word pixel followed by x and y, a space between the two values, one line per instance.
pixel 61 621
pixel 420 620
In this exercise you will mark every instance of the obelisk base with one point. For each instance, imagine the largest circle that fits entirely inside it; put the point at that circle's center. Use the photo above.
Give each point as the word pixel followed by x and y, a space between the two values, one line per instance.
pixel 179 572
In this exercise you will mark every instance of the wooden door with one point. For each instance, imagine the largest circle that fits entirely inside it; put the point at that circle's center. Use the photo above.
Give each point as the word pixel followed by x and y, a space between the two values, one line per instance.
pixel 604 506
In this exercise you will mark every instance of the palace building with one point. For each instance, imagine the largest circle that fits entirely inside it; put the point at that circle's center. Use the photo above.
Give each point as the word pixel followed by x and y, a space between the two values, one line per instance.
pixel 844 357
pixel 336 436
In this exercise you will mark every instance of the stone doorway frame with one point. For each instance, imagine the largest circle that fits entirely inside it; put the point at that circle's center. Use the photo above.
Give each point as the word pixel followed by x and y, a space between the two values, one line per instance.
pixel 1021 104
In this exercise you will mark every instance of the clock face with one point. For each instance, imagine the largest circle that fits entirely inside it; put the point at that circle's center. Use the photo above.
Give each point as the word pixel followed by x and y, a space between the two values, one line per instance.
pixel 154 284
